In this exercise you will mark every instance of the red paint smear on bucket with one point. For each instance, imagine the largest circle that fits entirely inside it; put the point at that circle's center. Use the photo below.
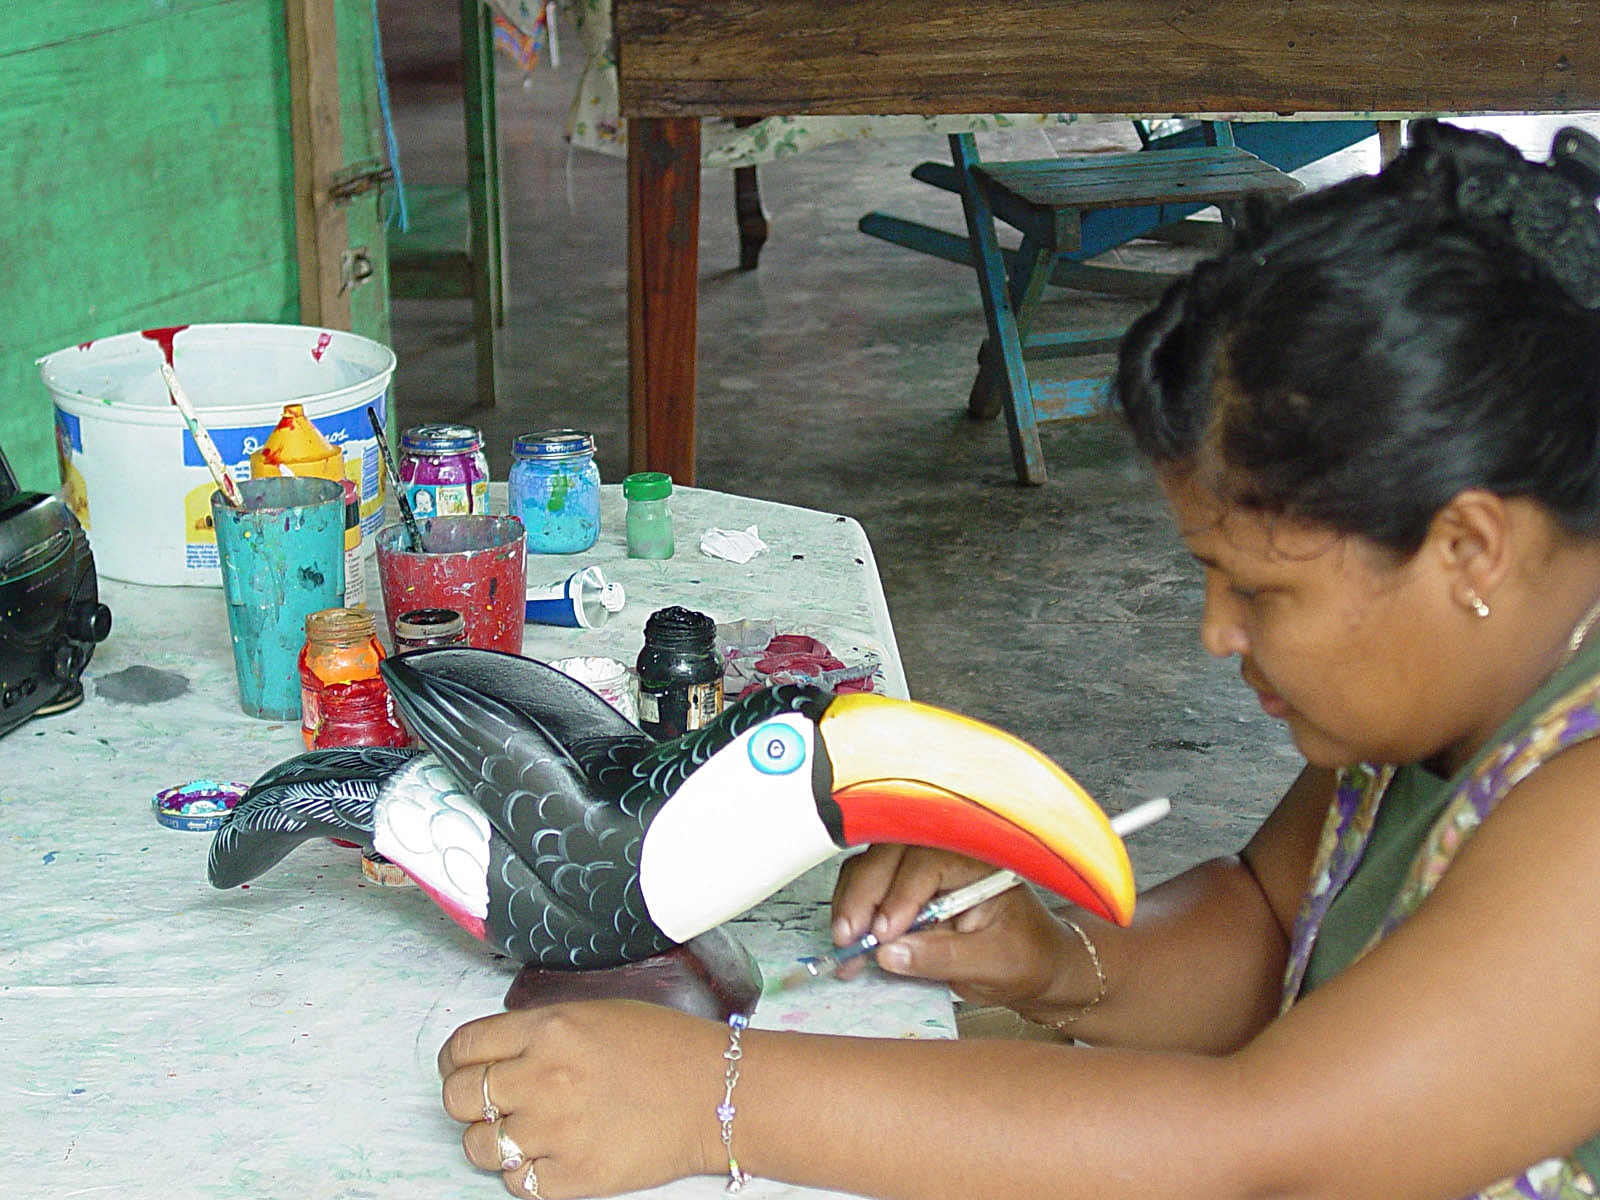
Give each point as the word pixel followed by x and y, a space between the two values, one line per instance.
pixel 324 339
pixel 163 338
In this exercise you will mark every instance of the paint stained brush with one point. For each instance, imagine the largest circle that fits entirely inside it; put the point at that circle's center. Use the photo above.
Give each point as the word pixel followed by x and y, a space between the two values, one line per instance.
pixel 413 530
pixel 953 904
pixel 202 439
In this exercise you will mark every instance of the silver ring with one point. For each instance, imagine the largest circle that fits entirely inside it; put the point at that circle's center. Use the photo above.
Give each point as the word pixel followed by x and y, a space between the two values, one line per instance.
pixel 530 1183
pixel 509 1153
pixel 490 1112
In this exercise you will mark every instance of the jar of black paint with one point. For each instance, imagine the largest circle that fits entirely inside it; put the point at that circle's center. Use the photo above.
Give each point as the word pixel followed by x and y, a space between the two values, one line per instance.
pixel 680 673
pixel 429 629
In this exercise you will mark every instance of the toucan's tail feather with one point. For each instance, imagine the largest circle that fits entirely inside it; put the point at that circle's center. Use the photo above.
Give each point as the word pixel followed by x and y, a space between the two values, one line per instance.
pixel 327 793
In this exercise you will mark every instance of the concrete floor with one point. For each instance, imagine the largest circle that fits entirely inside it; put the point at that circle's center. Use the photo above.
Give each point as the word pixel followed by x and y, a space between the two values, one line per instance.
pixel 835 377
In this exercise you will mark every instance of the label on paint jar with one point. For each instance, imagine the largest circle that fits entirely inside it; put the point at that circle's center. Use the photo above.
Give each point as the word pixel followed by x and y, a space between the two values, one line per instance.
pixel 448 499
pixel 444 471
pixel 674 711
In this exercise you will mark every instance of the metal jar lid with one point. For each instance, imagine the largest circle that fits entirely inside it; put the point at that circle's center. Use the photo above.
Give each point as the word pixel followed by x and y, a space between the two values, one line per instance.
pixel 554 443
pixel 441 439
pixel 424 623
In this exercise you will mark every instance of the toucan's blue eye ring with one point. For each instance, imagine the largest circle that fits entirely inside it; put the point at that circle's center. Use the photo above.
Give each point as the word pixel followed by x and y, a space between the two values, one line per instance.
pixel 777 749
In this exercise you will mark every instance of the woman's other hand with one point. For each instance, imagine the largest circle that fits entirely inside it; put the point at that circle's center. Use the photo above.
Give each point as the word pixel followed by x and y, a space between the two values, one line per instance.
pixel 595 1098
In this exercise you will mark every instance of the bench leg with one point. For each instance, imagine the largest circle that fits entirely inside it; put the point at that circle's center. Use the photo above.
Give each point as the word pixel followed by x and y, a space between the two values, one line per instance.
pixel 1030 271
pixel 751 216
pixel 1005 340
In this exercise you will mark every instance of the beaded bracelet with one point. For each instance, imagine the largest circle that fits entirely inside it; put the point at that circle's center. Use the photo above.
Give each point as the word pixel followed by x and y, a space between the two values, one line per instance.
pixel 737 1178
pixel 1101 986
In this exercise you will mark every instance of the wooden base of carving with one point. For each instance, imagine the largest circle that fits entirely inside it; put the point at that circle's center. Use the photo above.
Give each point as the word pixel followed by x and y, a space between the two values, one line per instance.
pixel 712 976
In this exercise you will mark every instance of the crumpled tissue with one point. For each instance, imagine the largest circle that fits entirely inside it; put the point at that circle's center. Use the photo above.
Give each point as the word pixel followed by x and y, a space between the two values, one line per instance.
pixel 732 544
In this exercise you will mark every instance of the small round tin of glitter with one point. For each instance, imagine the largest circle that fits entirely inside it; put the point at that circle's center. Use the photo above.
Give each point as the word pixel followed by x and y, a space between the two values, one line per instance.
pixel 197 807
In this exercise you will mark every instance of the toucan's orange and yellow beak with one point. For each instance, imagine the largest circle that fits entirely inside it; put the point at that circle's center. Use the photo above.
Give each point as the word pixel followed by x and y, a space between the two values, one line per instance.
pixel 917 775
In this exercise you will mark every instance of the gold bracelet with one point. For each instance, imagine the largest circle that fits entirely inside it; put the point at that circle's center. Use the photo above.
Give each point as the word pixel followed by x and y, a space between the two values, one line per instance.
pixel 1101 986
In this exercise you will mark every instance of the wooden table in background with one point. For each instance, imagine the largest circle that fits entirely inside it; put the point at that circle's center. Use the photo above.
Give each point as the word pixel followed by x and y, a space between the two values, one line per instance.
pixel 680 60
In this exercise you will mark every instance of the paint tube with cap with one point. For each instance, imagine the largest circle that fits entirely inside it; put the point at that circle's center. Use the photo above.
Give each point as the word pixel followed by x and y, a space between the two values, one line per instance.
pixel 582 600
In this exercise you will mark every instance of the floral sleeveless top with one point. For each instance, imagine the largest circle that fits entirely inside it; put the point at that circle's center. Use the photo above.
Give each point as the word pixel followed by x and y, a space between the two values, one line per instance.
pixel 1573 718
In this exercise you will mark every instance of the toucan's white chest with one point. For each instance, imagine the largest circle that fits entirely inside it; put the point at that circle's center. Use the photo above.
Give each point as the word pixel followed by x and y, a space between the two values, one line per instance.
pixel 427 824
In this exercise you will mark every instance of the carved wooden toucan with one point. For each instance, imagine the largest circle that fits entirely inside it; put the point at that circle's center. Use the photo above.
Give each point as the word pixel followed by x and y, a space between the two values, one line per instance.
pixel 554 830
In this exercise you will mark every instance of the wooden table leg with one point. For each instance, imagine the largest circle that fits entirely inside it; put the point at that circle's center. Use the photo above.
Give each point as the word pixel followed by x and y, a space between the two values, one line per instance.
pixel 663 292
pixel 1391 140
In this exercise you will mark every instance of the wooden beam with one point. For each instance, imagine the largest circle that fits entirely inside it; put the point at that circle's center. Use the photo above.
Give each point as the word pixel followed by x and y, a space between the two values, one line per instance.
pixel 318 141
pixel 756 57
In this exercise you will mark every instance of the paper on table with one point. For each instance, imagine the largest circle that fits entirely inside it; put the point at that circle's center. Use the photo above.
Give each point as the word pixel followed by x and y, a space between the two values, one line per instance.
pixel 732 544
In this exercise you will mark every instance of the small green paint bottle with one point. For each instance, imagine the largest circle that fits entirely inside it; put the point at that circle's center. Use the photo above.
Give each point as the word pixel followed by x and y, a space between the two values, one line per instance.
pixel 649 497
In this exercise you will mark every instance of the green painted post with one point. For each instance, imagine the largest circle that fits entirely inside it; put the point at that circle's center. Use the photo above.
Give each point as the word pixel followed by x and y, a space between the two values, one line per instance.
pixel 146 179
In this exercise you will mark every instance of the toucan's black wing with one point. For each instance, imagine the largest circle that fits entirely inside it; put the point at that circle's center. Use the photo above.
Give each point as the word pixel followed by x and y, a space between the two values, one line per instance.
pixel 504 726
pixel 600 741
pixel 496 721
pixel 562 915
pixel 326 793
pixel 565 709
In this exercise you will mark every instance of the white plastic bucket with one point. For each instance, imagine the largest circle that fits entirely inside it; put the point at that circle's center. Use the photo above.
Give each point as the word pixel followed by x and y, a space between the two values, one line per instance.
pixel 132 472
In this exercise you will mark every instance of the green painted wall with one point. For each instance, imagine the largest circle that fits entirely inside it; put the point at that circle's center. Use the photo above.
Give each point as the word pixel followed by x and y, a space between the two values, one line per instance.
pixel 146 179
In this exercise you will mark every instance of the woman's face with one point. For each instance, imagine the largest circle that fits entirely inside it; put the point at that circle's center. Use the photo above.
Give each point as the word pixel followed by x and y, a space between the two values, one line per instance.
pixel 1339 640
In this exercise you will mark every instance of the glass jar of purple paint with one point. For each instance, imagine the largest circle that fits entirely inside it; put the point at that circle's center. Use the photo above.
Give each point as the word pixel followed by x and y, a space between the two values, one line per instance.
pixel 443 470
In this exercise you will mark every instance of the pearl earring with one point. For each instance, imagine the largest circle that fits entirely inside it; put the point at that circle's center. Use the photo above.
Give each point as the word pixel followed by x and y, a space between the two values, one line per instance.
pixel 1480 607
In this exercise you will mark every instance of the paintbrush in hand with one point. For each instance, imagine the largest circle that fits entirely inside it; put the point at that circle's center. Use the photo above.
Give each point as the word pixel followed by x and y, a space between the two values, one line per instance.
pixel 953 904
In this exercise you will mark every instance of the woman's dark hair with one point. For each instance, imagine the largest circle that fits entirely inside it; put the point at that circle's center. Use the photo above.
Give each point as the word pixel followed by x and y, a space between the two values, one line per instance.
pixel 1365 352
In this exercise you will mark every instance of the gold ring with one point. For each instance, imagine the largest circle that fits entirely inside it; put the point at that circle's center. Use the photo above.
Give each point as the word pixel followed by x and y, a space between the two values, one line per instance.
pixel 510 1154
pixel 490 1112
pixel 530 1183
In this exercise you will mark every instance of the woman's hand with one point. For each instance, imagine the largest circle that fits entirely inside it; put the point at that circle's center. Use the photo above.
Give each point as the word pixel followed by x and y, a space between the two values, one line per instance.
pixel 1009 951
pixel 593 1098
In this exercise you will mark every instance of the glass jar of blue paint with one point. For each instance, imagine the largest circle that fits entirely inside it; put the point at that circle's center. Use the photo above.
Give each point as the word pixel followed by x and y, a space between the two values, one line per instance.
pixel 554 490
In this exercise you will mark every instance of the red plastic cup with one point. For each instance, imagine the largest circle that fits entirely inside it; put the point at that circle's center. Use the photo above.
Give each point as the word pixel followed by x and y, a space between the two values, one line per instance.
pixel 476 565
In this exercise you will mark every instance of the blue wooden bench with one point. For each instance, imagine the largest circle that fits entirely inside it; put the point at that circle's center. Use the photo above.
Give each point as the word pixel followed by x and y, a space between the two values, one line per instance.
pixel 1074 208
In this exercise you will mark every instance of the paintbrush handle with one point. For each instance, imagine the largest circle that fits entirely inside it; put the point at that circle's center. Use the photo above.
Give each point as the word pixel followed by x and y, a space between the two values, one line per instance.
pixel 202 439
pixel 1140 815
pixel 953 904
pixel 413 530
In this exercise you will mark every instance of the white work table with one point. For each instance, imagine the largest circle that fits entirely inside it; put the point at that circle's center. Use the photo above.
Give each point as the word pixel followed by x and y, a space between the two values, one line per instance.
pixel 165 1040
pixel 819 576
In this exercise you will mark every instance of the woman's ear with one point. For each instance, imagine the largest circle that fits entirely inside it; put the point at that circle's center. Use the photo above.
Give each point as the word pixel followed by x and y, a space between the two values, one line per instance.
pixel 1472 539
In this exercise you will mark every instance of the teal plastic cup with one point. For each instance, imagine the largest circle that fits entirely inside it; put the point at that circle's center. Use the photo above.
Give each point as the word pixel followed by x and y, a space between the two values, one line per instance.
pixel 282 559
